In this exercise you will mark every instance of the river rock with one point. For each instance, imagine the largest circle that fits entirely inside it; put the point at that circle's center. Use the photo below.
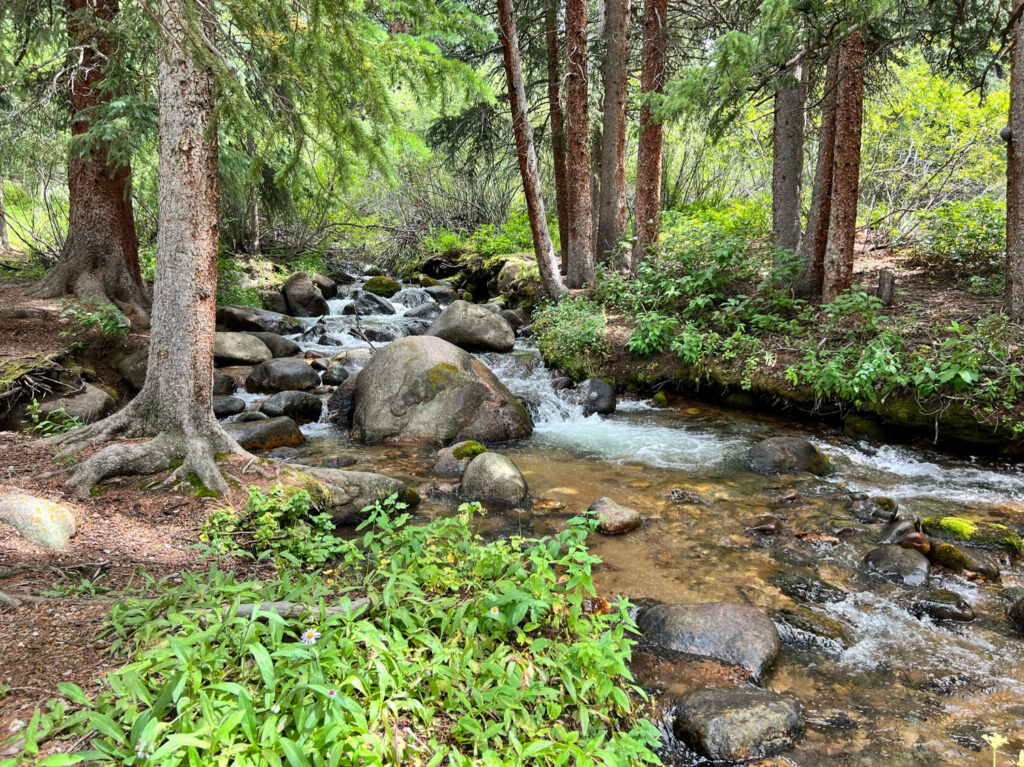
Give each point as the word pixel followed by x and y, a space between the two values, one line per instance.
pixel 243 318
pixel 871 510
pixel 899 565
pixel 424 389
pixel 452 461
pixel 382 334
pixel 807 588
pixel 279 345
pixel 367 304
pixel 249 416
pixel 473 327
pixel 328 288
pixel 334 375
pixel 614 518
pixel 303 297
pixel 736 634
pixel 382 286
pixel 942 605
pixel 737 724
pixel 133 368
pixel 239 349
pixel 222 385
pixel 986 535
pixel 424 311
pixel 517 318
pixel 47 524
pixel 957 560
pixel 805 629
pixel 342 403
pixel 785 455
pixel 352 492
pixel 1015 614
pixel 443 294
pixel 302 407
pixel 494 477
pixel 88 404
pixel 412 297
pixel 598 397
pixel 265 434
pixel 223 407
pixel 284 374
pixel 897 530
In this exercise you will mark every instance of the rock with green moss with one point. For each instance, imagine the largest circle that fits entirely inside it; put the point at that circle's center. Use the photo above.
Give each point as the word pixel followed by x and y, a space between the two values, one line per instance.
pixel 47 524
pixel 382 286
pixel 739 400
pixel 424 281
pixel 425 390
pixel 660 399
pixel 952 558
pixel 988 535
pixel 348 495
pixel 473 327
pixel 452 461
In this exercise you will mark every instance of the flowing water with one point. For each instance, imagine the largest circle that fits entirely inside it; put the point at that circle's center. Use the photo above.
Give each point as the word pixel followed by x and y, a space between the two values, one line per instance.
pixel 902 691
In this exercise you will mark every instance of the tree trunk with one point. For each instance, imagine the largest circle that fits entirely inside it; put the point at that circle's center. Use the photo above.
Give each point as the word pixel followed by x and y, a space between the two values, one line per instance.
pixel 842 222
pixel 580 245
pixel 175 404
pixel 812 248
pixel 648 163
pixel 787 162
pixel 1013 300
pixel 254 203
pixel 612 204
pixel 100 259
pixel 5 243
pixel 542 247
pixel 557 125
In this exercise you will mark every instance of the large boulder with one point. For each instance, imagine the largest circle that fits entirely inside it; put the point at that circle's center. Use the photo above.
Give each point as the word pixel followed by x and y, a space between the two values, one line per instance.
pixel 737 634
pixel 424 389
pixel 302 407
pixel 598 396
pixel 494 477
pixel 473 327
pixel 273 301
pixel 303 297
pixel 133 367
pixel 737 724
pixel 412 297
pixel 351 492
pixel 443 294
pixel 244 318
pixel 382 286
pixel 785 455
pixel 328 288
pixel 614 518
pixel 265 434
pixel 367 304
pixel 519 279
pixel 239 349
pixel 284 374
pixel 279 345
pixel 897 564
pixel 88 404
pixel 45 523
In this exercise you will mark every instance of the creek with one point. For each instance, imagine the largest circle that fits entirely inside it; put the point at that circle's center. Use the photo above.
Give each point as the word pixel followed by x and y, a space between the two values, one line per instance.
pixel 895 689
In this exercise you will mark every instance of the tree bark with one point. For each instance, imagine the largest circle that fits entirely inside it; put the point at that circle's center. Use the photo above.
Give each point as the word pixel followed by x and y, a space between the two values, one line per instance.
pixel 175 404
pixel 100 259
pixel 1013 298
pixel 547 265
pixel 254 203
pixel 812 248
pixel 5 243
pixel 580 246
pixel 612 206
pixel 557 125
pixel 842 222
pixel 787 162
pixel 648 164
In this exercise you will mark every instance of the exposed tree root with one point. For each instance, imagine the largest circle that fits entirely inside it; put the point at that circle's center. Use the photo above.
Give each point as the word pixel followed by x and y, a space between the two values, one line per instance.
pixel 89 285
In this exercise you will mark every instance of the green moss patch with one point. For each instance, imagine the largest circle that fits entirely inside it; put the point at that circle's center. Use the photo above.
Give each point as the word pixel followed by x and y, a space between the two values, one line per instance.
pixel 382 286
pixel 469 449
pixel 984 534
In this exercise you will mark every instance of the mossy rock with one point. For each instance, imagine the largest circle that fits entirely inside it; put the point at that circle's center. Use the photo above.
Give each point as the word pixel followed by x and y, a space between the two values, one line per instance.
pixel 469 449
pixel 426 282
pixel 467 296
pixel 382 286
pixel 739 400
pixel 660 399
pixel 988 535
pixel 949 556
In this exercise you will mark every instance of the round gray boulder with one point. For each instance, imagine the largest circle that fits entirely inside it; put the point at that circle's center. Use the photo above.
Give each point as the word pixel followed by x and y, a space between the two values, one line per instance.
pixel 898 565
pixel 284 374
pixel 614 518
pixel 302 407
pixel 785 455
pixel 598 397
pixel 473 327
pixel 279 345
pixel 227 406
pixel 423 389
pixel 239 349
pixel 494 477
pixel 303 297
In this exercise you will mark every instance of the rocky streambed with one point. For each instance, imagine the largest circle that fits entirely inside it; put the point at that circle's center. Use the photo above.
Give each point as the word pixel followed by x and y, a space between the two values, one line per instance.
pixel 800 593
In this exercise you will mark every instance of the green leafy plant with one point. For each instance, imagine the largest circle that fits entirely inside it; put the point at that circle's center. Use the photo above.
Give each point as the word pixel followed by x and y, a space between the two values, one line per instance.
pixel 571 335
pixel 56 421
pixel 94 324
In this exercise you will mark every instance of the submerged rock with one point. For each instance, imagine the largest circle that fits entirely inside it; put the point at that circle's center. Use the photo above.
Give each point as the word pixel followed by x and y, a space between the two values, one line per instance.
pixel 265 434
pixel 942 605
pixel 807 588
pixel 898 565
pixel 283 374
pixel 473 327
pixel 737 634
pixel 424 389
pixel 494 477
pixel 250 318
pixel 614 518
pixel 303 297
pixel 239 349
pixel 47 524
pixel 785 455
pixel 806 629
pixel 737 724
pixel 598 397
pixel 302 407
pixel 953 558
pixel 986 535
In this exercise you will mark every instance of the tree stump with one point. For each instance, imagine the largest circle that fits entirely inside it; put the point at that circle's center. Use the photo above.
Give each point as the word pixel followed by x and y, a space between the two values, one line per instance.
pixel 886 286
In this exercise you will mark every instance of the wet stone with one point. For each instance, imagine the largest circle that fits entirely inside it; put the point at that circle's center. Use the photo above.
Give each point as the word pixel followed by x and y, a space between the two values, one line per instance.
pixel 871 510
pixel 898 565
pixel 598 397
pixel 1016 615
pixel 678 495
pixel 942 605
pixel 251 415
pixel 764 524
pixel 804 629
pixel 302 407
pixel 614 518
pixel 958 560
pixel 223 407
pixel 266 434
pixel 283 374
pixel 785 455
pixel 807 588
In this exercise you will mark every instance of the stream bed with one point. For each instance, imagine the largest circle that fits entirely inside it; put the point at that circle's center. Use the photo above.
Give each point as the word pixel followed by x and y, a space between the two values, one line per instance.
pixel 895 689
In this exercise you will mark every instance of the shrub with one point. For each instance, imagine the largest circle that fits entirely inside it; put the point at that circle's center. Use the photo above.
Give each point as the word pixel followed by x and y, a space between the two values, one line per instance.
pixel 966 239
pixel 96 325
pixel 571 336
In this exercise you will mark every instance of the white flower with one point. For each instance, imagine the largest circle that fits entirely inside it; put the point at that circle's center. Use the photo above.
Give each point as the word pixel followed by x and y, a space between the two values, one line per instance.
pixel 275 709
pixel 309 636
pixel 16 725
pixel 332 693
pixel 494 612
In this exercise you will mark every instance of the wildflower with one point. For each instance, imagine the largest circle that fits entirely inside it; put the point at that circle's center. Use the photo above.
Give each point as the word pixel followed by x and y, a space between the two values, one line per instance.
pixel 996 741
pixel 16 725
pixel 494 612
pixel 275 709
pixel 140 750
pixel 309 636
pixel 332 693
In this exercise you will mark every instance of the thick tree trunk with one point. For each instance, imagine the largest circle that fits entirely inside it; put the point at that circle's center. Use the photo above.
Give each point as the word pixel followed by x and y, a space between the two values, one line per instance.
pixel 580 245
pixel 648 164
pixel 100 259
pixel 812 248
pixel 787 162
pixel 1013 300
pixel 842 222
pixel 612 204
pixel 175 404
pixel 557 125
pixel 5 243
pixel 542 247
